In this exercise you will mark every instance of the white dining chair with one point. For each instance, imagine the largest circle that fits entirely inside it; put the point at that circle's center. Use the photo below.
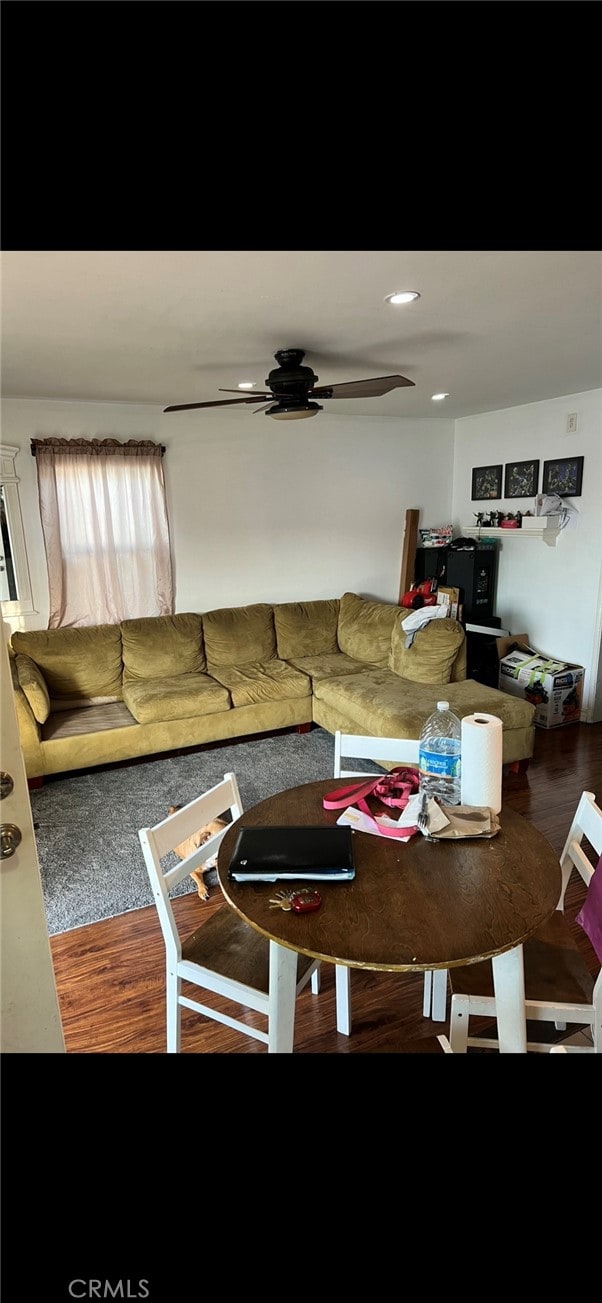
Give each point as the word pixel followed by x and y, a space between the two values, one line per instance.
pixel 559 987
pixel 380 750
pixel 224 956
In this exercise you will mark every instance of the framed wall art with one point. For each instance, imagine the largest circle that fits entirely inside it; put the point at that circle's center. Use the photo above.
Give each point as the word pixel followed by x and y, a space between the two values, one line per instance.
pixel 521 479
pixel 486 483
pixel 563 476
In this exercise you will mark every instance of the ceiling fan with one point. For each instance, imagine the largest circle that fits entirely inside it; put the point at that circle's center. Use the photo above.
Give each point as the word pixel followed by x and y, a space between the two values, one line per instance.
pixel 294 387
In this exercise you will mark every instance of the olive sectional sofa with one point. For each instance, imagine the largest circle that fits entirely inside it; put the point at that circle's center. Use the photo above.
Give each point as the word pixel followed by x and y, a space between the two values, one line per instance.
pixel 108 693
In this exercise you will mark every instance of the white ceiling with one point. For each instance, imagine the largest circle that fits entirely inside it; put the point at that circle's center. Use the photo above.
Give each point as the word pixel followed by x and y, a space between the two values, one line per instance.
pixel 494 328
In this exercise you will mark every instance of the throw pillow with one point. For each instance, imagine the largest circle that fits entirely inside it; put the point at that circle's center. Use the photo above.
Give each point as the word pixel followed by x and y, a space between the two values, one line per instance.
pixel 33 684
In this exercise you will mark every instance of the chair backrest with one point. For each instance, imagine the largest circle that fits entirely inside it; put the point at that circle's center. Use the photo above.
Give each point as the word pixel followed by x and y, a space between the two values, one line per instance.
pixel 586 823
pixel 380 750
pixel 162 839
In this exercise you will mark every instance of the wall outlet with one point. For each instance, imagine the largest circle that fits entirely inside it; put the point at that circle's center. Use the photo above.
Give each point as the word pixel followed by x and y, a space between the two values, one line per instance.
pixel 572 421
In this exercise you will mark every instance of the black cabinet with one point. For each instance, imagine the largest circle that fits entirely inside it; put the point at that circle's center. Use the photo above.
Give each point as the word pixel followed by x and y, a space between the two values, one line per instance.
pixel 473 571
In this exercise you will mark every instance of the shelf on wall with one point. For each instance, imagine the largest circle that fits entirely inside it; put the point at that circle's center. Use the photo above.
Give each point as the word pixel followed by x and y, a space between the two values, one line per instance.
pixel 545 527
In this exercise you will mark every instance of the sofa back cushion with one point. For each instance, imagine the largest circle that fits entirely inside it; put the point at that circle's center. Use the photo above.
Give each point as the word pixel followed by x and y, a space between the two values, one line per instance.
pixel 306 628
pixel 160 646
pixel 433 653
pixel 80 666
pixel 365 628
pixel 235 635
pixel 33 683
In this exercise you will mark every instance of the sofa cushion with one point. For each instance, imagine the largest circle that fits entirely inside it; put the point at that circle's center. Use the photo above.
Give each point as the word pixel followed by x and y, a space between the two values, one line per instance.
pixel 251 684
pixel 79 665
pixel 306 628
pixel 239 635
pixel 365 628
pixel 159 646
pixel 33 683
pixel 88 720
pixel 179 696
pixel 327 666
pixel 431 657
pixel 380 702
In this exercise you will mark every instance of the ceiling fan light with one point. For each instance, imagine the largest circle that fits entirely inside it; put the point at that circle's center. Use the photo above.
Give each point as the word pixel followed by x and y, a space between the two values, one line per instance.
pixel 293 411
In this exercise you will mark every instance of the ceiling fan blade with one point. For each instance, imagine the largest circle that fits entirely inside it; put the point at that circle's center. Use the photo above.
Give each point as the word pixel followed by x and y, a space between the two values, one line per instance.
pixel 221 402
pixel 362 388
pixel 257 394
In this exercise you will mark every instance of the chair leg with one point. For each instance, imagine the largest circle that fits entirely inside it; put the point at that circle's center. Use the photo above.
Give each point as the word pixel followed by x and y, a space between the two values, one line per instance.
pixel 439 994
pixel 174 986
pixel 428 990
pixel 343 994
pixel 315 981
pixel 458 1024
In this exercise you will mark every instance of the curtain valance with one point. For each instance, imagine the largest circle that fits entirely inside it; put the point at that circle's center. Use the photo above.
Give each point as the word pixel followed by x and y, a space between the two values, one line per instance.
pixel 97 447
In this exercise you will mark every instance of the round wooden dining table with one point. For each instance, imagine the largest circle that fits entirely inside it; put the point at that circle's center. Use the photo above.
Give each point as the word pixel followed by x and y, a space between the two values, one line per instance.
pixel 412 906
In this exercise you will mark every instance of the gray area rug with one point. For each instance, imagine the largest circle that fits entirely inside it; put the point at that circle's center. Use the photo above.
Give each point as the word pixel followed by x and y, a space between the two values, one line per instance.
pixel 87 824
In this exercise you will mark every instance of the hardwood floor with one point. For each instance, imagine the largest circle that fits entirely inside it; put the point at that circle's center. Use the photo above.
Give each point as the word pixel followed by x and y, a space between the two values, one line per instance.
pixel 110 975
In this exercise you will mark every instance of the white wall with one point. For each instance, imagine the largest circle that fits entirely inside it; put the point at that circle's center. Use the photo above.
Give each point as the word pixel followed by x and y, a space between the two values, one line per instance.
pixel 552 593
pixel 261 510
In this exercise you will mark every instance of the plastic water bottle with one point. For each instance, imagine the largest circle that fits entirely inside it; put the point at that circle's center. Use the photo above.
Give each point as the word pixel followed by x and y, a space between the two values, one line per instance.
pixel 439 758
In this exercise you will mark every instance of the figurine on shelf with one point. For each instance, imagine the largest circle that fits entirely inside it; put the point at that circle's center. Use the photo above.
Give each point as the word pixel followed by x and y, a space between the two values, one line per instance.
pixel 478 515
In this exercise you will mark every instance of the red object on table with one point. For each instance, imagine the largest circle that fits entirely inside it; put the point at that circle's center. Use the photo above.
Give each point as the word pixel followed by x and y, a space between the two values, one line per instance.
pixel 303 902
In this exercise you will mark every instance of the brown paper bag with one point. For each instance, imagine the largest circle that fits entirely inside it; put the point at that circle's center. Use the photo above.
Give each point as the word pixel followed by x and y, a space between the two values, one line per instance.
pixel 467 821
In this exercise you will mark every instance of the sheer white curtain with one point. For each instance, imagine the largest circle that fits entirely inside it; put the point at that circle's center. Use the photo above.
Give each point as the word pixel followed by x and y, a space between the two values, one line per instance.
pixel 106 532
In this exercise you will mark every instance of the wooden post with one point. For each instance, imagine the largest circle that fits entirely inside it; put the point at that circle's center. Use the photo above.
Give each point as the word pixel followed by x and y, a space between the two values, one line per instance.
pixel 408 556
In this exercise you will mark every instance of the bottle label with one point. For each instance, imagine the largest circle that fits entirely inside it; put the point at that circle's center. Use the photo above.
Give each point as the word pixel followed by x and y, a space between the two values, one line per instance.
pixel 434 762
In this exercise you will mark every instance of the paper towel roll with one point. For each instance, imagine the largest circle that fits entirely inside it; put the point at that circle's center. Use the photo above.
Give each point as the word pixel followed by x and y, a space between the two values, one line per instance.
pixel 481 781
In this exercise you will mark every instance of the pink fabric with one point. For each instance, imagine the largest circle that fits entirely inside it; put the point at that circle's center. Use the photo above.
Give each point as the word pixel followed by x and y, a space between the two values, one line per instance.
pixel 394 789
pixel 590 915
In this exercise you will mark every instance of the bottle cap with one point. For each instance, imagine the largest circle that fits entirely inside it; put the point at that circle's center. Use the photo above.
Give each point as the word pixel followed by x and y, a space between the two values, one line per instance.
pixel 443 705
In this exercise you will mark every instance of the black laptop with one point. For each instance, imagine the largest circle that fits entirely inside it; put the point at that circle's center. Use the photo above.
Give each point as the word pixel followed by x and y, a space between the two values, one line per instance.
pixel 269 854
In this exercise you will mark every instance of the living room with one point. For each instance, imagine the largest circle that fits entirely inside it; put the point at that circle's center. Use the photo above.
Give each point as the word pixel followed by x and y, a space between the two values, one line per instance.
pixel 258 514
pixel 276 517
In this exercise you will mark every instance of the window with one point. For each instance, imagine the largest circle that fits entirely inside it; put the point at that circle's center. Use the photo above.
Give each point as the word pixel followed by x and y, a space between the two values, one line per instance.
pixel 15 583
pixel 104 518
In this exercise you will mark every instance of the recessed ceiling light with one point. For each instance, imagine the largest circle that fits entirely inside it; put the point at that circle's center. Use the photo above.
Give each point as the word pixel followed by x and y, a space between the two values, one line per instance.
pixel 247 384
pixel 402 296
pixel 437 397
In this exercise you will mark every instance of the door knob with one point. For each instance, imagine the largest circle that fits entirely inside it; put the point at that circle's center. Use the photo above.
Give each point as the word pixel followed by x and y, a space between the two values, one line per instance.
pixel 10 838
pixel 6 784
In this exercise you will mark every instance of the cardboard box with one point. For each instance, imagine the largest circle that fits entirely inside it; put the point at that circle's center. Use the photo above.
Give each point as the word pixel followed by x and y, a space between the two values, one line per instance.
pixel 450 597
pixel 504 644
pixel 554 687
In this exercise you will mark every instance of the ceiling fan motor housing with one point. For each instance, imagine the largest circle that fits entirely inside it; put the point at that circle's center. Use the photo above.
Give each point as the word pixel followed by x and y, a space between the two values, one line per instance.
pixel 290 379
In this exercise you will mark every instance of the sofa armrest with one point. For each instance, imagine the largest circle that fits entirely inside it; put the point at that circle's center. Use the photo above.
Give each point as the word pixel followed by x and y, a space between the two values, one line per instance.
pixel 30 732
pixel 437 653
